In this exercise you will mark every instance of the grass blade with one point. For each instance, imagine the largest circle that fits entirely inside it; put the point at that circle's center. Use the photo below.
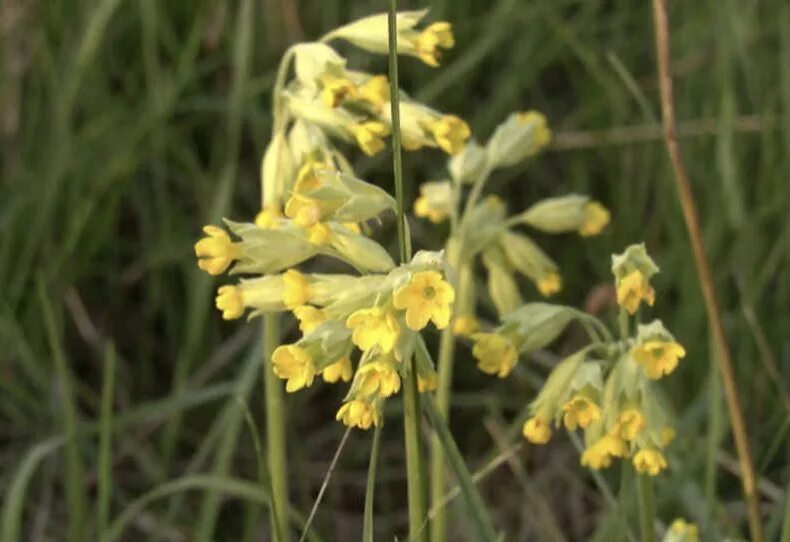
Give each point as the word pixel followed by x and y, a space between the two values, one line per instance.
pixel 105 441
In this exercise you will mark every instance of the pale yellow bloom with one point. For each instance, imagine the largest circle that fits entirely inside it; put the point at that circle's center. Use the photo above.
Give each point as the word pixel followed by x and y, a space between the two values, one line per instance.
pixel 536 430
pixel 379 378
pixel 339 370
pixel 319 234
pixel 294 364
pixel 649 461
pixel 423 209
pixel 303 210
pixel 309 317
pixel 268 218
pixel 375 91
pixel 596 217
pixel 336 89
pixel 435 37
pixel 542 135
pixel 629 424
pixel 682 531
pixel 495 353
pixel 435 202
pixel 465 325
pixel 450 133
pixel 296 291
pixel 427 296
pixel 428 383
pixel 549 284
pixel 307 179
pixel 229 300
pixel 657 357
pixel 357 413
pixel 633 289
pixel 370 136
pixel 599 455
pixel 216 251
pixel 580 411
pixel 373 327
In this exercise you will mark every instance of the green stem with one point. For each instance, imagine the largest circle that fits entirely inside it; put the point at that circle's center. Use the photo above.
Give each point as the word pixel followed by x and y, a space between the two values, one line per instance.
pixel 647 514
pixel 275 431
pixel 623 321
pixel 370 488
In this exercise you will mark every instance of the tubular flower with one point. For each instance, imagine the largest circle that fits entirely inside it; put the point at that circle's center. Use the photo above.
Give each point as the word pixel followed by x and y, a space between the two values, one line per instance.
pixel 649 461
pixel 465 325
pixel 319 234
pixel 304 211
pixel 378 378
pixel 336 89
pixel 292 363
pixel 450 133
pixel 423 209
pixel 356 413
pixel 633 289
pixel 428 383
pixel 495 353
pixel 580 411
pixel 536 430
pixel 542 135
pixel 373 327
pixel 370 136
pixel 427 296
pixel 339 370
pixel 599 455
pixel 309 317
pixel 375 91
pixel 216 252
pixel 429 41
pixel 596 217
pixel 230 301
pixel 549 284
pixel 629 424
pixel 435 202
pixel 658 357
pixel 268 218
pixel 297 291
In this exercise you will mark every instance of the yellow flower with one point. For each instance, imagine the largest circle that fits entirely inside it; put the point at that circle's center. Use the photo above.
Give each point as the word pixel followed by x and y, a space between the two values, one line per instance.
pixel 495 353
pixel 294 364
pixel 356 413
pixel 306 179
pixel 465 325
pixel 427 296
pixel 302 210
pixel 580 411
pixel 450 133
pixel 542 135
pixel 658 358
pixel 336 89
pixel 428 383
pixel 423 209
pixel 375 91
pixel 339 370
pixel 599 455
pixel 682 531
pixel 373 327
pixel 216 252
pixel 649 461
pixel 536 430
pixel 435 36
pixel 549 284
pixel 268 218
pixel 230 301
pixel 633 289
pixel 667 436
pixel 370 136
pixel 319 234
pixel 629 424
pixel 297 290
pixel 309 317
pixel 596 217
pixel 378 378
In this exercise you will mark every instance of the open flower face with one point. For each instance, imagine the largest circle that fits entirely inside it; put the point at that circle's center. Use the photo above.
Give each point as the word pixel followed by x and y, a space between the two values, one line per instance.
pixel 294 364
pixel 373 327
pixel 495 354
pixel 580 411
pixel 427 296
pixel 658 357
pixel 378 378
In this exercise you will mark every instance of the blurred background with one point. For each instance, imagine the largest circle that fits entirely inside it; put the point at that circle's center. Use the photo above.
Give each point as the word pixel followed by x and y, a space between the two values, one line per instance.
pixel 128 125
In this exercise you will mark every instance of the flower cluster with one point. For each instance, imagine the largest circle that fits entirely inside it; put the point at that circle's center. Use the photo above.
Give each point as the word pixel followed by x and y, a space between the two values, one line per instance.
pixel 606 388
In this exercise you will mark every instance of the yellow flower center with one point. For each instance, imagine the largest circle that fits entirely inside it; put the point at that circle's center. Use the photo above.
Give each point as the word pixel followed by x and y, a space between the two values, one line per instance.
pixel 580 412
pixel 549 284
pixel 658 358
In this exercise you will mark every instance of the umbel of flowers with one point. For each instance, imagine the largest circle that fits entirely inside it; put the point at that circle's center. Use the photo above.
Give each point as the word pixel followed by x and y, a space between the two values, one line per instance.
pixel 608 388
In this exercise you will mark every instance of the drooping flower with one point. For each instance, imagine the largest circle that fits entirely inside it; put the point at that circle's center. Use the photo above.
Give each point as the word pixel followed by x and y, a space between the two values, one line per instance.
pixel 633 289
pixel 596 217
pixel 370 136
pixel 630 423
pixel 229 300
pixel 495 353
pixel 339 370
pixel 465 325
pixel 309 317
pixel 650 461
pixel 378 378
pixel 359 413
pixel 600 454
pixel 580 411
pixel 450 133
pixel 336 89
pixel 373 327
pixel 427 383
pixel 294 364
pixel 427 296
pixel 549 284
pixel 658 357
pixel 430 41
pixel 296 291
pixel 216 251
pixel 536 430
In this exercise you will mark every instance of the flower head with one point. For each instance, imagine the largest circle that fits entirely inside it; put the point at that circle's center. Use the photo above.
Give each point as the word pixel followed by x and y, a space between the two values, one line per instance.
pixel 297 290
pixel 373 327
pixel 599 455
pixel 378 378
pixel 370 136
pixel 319 234
pixel 629 424
pixel 650 461
pixel 339 370
pixel 358 413
pixel 294 364
pixel 229 300
pixel 336 89
pixel 596 217
pixel 216 251
pixel 536 430
pixel 580 411
pixel 658 357
pixel 495 353
pixel 465 325
pixel 309 317
pixel 429 41
pixel 450 133
pixel 427 296
pixel 303 210
pixel 435 201
pixel 549 284
pixel 375 91
pixel 682 531
pixel 427 383
pixel 633 289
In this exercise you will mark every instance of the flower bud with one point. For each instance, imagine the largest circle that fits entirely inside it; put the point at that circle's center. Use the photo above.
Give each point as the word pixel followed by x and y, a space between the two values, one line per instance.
pixel 502 286
pixel 565 214
pixel 469 165
pixel 539 324
pixel 632 271
pixel 520 136
pixel 277 170
pixel 531 261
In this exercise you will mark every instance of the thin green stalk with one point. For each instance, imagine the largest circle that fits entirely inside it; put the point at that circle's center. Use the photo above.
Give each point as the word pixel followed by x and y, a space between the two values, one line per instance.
pixel 370 488
pixel 105 442
pixel 647 513
pixel 275 431
pixel 623 321
pixel 786 521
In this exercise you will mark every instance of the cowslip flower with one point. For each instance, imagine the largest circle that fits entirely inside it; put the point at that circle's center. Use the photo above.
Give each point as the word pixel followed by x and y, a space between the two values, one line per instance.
pixel 339 370
pixel 682 531
pixel 465 325
pixel 426 297
pixel 262 293
pixel 296 291
pixel 375 92
pixel 216 251
pixel 429 42
pixel 630 422
pixel 495 353
pixel 373 327
pixel 600 454
pixel 596 217
pixel 230 302
pixel 536 430
pixel 303 210
pixel 294 364
pixel 319 234
pixel 269 218
pixel 358 413
pixel 450 133
pixel 378 378
pixel 309 317
pixel 370 136
pixel 435 202
pixel 549 284
pixel 650 461
pixel 658 357
pixel 336 89
pixel 633 289
pixel 580 411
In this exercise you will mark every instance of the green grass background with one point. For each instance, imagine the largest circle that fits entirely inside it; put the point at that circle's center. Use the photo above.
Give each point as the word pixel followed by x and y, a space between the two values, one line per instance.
pixel 127 125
